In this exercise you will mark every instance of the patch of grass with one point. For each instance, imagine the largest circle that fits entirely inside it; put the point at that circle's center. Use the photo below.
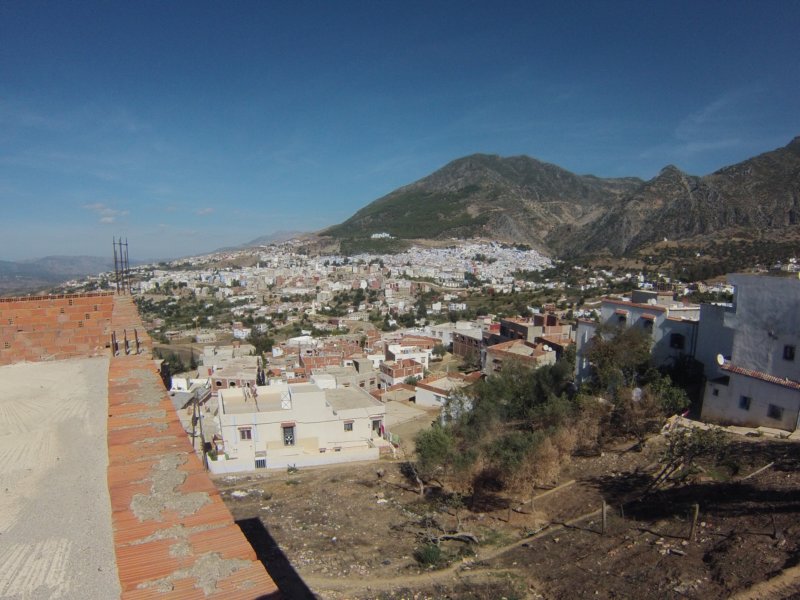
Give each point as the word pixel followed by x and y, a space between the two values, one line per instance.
pixel 429 555
pixel 718 473
pixel 351 246
pixel 292 482
pixel 495 538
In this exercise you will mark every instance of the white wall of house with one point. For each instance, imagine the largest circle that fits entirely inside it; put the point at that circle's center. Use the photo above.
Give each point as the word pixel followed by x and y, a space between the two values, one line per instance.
pixel 766 320
pixel 671 337
pixel 751 402
pixel 430 398
pixel 318 429
pixel 413 352
pixel 223 466
pixel 713 338
pixel 388 381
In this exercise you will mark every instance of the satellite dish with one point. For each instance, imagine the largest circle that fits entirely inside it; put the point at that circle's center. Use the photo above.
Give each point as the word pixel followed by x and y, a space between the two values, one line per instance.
pixel 720 360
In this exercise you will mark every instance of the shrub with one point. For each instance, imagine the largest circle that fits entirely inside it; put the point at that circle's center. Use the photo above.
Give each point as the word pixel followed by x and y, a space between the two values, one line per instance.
pixel 429 555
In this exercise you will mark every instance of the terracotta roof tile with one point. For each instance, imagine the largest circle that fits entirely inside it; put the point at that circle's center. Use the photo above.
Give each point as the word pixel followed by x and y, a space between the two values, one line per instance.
pixel 168 517
pixel 787 383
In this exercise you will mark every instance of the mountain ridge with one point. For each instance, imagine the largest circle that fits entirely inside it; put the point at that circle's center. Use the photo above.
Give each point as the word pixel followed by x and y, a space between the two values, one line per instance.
pixel 522 199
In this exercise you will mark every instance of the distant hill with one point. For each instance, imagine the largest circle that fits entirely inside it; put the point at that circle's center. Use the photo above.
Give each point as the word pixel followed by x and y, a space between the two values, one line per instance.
pixel 28 275
pixel 276 237
pixel 520 199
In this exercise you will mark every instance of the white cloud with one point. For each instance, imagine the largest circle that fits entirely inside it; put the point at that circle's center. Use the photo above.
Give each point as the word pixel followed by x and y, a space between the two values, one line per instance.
pixel 204 211
pixel 105 213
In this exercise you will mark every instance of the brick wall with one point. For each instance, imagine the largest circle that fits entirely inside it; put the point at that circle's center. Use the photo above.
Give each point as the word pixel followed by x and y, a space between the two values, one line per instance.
pixel 37 328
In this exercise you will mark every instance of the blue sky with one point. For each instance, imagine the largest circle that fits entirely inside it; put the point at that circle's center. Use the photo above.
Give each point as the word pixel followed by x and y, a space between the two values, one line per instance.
pixel 187 125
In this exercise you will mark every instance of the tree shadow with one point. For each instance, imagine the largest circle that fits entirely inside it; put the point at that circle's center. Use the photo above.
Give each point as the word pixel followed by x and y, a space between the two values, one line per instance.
pixel 735 499
pixel 750 455
pixel 623 488
pixel 289 582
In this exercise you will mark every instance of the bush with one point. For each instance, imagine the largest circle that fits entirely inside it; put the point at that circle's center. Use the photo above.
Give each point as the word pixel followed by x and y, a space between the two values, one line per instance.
pixel 429 555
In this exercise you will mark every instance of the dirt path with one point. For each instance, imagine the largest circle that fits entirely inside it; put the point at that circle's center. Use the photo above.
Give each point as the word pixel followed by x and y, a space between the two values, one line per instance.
pixel 358 585
pixel 785 585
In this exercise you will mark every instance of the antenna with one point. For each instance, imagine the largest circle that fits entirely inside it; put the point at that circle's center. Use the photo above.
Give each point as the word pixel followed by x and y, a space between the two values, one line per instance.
pixel 116 263
pixel 122 271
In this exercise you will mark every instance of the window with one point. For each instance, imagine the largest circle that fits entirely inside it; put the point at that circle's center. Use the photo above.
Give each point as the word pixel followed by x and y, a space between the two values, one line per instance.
pixel 261 463
pixel 744 402
pixel 218 383
pixel 246 433
pixel 715 392
pixel 288 435
pixel 677 341
pixel 788 352
pixel 348 426
pixel 775 412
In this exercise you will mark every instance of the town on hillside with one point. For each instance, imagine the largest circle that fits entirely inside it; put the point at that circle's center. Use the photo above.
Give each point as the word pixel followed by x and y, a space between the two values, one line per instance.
pixel 456 406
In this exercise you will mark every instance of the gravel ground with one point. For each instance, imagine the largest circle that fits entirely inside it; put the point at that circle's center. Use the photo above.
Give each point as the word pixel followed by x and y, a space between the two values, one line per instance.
pixel 55 513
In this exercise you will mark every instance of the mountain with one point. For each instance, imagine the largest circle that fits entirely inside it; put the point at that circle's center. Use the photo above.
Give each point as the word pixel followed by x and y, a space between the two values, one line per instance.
pixel 758 194
pixel 276 237
pixel 516 199
pixel 522 200
pixel 19 276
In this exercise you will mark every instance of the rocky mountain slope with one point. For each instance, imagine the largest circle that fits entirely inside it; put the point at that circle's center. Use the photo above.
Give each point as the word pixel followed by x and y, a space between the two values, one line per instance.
pixel 759 194
pixel 522 200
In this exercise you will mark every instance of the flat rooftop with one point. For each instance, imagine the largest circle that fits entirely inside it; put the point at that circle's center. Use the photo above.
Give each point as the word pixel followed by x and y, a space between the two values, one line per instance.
pixel 55 510
pixel 351 398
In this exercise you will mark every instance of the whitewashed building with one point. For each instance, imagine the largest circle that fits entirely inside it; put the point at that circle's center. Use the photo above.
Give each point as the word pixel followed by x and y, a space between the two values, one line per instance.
pixel 751 355
pixel 279 425
pixel 671 326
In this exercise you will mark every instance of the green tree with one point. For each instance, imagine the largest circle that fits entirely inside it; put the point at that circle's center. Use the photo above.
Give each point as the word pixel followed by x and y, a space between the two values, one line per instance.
pixel 261 341
pixel 618 356
pixel 685 447
pixel 671 399
pixel 511 428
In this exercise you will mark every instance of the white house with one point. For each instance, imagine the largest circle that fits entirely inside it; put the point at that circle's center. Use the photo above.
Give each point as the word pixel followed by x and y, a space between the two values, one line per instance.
pixel 756 379
pixel 275 426
pixel 435 390
pixel 671 326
